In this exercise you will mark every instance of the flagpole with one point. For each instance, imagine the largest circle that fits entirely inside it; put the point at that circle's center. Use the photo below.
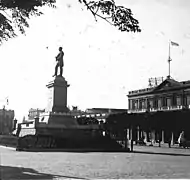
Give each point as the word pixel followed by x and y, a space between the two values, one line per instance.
pixel 169 59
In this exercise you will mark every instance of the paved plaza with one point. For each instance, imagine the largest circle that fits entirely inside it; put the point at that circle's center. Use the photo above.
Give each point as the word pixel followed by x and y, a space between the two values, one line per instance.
pixel 145 162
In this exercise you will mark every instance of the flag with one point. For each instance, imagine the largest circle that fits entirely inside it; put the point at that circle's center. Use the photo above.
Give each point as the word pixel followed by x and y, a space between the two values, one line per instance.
pixel 7 100
pixel 174 43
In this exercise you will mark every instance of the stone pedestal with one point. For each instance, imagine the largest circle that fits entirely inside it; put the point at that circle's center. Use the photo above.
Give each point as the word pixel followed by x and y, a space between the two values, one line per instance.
pixel 57 96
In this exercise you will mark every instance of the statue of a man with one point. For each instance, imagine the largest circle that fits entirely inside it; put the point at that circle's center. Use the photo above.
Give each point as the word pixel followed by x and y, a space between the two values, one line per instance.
pixel 60 64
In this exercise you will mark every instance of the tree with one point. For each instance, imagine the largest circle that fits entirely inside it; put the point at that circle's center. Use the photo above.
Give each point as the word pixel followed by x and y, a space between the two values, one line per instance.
pixel 87 120
pixel 14 15
pixel 118 16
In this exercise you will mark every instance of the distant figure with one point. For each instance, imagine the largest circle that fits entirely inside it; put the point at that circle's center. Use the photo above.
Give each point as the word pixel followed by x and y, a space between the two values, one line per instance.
pixel 169 142
pixel 60 64
pixel 181 139
pixel 160 139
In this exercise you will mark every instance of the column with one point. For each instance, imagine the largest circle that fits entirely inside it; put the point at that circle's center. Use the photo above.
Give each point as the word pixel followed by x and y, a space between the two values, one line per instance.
pixel 162 136
pixel 138 133
pixel 137 104
pixel 145 136
pixel 153 136
pixel 172 139
pixel 141 133
pixel 126 140
pixel 132 138
pixel 131 134
pixel 128 134
pixel 146 103
pixel 129 104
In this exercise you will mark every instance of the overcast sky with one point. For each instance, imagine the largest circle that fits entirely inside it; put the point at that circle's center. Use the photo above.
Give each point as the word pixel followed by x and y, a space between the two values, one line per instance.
pixel 101 63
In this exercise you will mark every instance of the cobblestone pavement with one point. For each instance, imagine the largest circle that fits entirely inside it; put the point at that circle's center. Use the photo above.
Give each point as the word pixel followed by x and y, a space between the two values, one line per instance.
pixel 145 162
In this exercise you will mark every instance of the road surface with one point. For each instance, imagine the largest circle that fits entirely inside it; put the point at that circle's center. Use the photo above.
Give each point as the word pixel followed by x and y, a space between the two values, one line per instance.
pixel 146 162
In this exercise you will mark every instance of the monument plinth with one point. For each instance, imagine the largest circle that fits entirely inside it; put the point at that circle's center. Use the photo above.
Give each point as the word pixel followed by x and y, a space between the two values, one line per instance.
pixel 57 95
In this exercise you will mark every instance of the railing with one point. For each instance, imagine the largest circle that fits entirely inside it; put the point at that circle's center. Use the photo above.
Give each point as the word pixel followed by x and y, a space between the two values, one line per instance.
pixel 167 108
pixel 140 91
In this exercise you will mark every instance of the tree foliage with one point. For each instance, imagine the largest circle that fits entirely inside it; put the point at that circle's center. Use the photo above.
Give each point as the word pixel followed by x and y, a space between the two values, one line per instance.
pixel 14 15
pixel 169 121
pixel 87 120
pixel 118 16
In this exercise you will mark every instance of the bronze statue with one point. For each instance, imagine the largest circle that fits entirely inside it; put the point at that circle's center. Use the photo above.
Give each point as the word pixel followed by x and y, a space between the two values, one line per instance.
pixel 60 64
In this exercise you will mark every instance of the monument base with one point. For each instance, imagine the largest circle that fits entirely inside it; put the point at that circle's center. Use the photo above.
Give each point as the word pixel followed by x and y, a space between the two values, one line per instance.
pixel 57 128
pixel 57 96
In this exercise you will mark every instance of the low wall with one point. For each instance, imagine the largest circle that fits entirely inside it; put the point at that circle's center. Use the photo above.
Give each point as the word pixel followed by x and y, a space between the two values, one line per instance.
pixel 8 140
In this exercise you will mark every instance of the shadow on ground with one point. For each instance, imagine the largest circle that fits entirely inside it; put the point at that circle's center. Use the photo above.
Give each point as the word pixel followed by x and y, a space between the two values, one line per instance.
pixel 15 173
pixel 76 150
pixel 161 153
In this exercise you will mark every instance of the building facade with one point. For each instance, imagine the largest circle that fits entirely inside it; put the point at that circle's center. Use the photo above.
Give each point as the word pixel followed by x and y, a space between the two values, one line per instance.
pixel 6 121
pixel 167 96
pixel 100 113
pixel 34 113
pixel 170 95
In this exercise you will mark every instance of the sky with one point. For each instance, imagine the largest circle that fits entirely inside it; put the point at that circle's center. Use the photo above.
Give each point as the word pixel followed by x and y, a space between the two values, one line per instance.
pixel 102 64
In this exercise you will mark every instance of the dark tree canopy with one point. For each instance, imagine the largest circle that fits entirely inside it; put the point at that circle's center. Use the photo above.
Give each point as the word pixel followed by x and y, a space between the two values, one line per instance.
pixel 168 121
pixel 14 15
pixel 87 120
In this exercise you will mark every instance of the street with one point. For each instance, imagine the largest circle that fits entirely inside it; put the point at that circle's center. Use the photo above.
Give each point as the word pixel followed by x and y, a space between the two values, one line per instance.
pixel 145 162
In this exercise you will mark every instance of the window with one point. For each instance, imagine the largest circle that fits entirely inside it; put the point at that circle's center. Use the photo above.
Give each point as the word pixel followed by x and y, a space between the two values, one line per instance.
pixel 188 99
pixel 185 101
pixel 133 104
pixel 168 102
pixel 143 104
pixel 164 102
pixel 178 101
pixel 136 104
pixel 155 103
pixel 159 103
pixel 140 104
pixel 151 103
pixel 174 100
